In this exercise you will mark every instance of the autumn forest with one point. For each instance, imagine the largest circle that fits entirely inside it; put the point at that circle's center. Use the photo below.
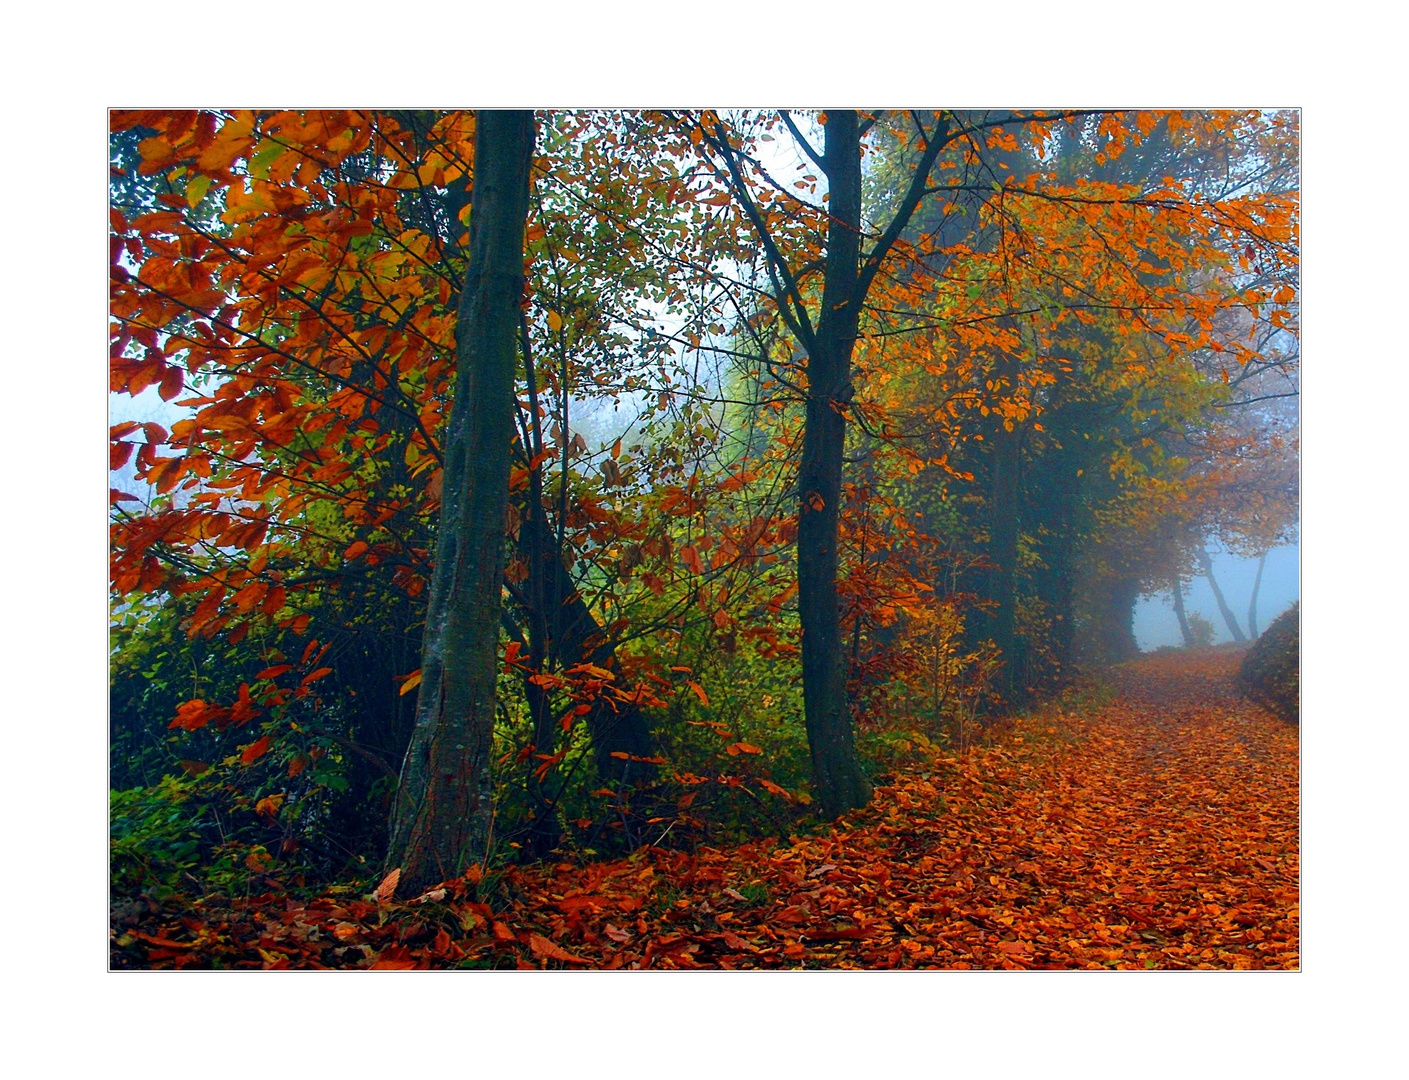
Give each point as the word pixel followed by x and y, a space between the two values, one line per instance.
pixel 700 539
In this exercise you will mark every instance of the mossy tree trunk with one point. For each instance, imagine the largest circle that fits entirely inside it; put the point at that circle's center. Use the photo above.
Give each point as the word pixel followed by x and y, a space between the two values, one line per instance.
pixel 441 819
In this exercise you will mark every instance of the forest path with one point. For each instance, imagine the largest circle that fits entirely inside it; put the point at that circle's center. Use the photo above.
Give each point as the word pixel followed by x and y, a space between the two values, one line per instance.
pixel 1159 830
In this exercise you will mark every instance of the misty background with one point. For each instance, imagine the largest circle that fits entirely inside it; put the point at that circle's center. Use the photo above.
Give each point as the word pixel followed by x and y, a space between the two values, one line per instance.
pixel 1155 623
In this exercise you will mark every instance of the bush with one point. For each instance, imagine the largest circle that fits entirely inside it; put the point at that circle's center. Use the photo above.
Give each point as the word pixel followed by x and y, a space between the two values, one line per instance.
pixel 1200 631
pixel 1270 673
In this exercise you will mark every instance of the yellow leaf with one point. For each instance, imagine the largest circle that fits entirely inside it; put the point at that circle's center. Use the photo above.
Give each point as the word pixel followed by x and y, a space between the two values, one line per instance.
pixel 412 681
pixel 269 805
pixel 555 321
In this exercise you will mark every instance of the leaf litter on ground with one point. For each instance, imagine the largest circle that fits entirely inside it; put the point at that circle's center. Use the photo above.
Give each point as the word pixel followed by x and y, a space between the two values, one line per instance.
pixel 1157 831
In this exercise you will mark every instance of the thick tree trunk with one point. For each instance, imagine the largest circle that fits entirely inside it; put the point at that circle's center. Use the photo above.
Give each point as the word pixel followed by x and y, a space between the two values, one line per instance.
pixel 1179 614
pixel 1228 617
pixel 1252 604
pixel 443 806
pixel 836 772
pixel 1006 456
pixel 574 637
pixel 1116 631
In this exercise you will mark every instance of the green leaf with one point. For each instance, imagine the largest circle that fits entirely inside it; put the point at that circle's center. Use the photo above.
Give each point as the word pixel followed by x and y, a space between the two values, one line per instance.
pixel 265 155
pixel 196 189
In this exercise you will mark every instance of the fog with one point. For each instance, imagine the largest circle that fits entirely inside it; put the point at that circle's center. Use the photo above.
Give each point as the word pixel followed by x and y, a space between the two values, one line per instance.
pixel 1156 624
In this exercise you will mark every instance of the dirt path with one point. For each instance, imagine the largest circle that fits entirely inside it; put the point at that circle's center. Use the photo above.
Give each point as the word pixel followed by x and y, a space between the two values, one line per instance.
pixel 1158 831
pixel 1167 836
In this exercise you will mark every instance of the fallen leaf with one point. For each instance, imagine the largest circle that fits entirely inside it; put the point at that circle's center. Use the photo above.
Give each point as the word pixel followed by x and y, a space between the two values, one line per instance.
pixel 387 889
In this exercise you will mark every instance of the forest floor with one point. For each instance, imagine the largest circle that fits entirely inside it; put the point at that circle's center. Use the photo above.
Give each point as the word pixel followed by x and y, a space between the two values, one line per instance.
pixel 1157 830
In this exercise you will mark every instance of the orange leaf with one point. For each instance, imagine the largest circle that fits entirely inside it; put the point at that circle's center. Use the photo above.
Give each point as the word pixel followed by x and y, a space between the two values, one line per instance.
pixel 274 601
pixel 387 889
pixel 192 715
pixel 254 750
pixel 699 692
pixel 541 946
pixel 354 550
pixel 691 559
pixel 737 943
pixel 395 958
pixel 269 805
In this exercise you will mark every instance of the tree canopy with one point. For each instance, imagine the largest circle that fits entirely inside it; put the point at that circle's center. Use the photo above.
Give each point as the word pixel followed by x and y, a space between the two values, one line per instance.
pixel 818 430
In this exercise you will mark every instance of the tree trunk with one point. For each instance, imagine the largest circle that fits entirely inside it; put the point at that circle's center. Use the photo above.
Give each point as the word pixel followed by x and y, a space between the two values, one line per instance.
pixel 836 772
pixel 1116 632
pixel 1118 635
pixel 829 344
pixel 441 820
pixel 1180 615
pixel 1252 604
pixel 1006 456
pixel 574 637
pixel 1228 617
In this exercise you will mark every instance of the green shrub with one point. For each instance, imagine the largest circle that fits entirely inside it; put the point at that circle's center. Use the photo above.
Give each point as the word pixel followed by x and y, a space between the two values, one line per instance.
pixel 155 837
pixel 1270 673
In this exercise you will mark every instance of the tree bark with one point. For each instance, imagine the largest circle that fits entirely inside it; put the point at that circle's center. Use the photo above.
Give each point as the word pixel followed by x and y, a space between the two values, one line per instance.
pixel 573 636
pixel 1188 634
pixel 836 772
pixel 1228 617
pixel 1003 524
pixel 829 343
pixel 1252 604
pixel 1117 617
pixel 441 819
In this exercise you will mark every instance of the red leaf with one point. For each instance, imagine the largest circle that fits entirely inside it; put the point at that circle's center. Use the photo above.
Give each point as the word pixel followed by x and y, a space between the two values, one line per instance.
pixel 171 383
